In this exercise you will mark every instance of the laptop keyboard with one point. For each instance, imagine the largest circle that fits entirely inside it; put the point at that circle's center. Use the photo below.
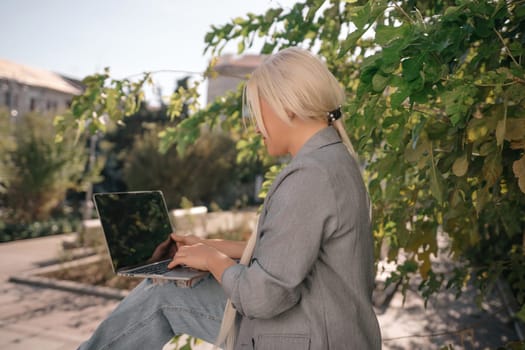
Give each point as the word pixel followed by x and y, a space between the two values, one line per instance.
pixel 156 269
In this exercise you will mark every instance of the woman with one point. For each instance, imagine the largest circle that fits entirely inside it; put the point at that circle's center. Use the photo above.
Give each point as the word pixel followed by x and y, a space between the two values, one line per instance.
pixel 306 275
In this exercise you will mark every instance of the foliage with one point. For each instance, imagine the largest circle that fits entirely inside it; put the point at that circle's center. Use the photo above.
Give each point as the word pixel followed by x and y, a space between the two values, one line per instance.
pixel 115 145
pixel 188 345
pixel 515 345
pixel 36 171
pixel 7 144
pixel 205 174
pixel 450 96
pixel 103 97
pixel 435 108
pixel 95 109
pixel 14 231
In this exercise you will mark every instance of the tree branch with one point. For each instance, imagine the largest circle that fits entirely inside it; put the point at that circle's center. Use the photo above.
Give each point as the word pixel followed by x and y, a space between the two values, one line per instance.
pixel 506 47
pixel 404 13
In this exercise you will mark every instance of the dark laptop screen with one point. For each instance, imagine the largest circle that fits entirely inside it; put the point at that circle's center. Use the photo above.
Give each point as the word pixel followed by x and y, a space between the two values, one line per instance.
pixel 134 224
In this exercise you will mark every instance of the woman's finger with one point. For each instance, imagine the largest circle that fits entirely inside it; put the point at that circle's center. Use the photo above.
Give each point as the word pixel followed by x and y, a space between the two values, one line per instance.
pixel 177 238
pixel 177 260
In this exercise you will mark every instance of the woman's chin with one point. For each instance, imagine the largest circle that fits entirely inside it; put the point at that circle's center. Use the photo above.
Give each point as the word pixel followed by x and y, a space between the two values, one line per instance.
pixel 275 153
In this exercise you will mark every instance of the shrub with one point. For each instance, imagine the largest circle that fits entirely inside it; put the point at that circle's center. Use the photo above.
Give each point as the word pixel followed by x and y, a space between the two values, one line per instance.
pixel 36 171
pixel 14 231
pixel 206 174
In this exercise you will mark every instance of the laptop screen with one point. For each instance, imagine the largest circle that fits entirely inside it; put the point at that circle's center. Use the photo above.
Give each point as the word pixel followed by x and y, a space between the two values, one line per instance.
pixel 134 224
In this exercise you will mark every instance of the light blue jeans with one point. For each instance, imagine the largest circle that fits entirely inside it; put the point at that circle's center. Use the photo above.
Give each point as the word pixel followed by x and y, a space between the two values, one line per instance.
pixel 154 312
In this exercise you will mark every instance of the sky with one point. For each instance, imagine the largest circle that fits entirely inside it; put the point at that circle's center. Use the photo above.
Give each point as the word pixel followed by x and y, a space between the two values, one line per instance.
pixel 77 37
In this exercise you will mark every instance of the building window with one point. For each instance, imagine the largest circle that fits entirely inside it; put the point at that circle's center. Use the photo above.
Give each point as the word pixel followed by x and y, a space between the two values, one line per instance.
pixel 32 104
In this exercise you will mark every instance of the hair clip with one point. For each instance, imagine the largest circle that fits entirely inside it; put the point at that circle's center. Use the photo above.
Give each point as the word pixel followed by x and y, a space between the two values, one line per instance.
pixel 334 115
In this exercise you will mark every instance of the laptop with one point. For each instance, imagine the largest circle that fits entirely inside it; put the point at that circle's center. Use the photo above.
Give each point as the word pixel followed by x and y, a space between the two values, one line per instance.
pixel 136 228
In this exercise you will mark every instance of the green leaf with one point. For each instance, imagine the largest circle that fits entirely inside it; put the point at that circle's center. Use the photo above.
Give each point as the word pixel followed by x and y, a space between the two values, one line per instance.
pixel 240 47
pixel 411 68
pixel 395 136
pixel 350 42
pixel 390 62
pixel 416 149
pixel 436 180
pixel 452 11
pixel 386 34
pixel 409 266
pixel 389 121
pixel 518 167
pixel 500 132
pixel 398 97
pixel 473 236
pixel 238 20
pixel 515 129
pixel 481 197
pixel 437 129
pixel 272 14
pixel 379 82
pixel 492 168
pixel 436 186
pixel 268 48
pixel 111 101
pixel 460 166
pixel 482 27
pixel 521 314
pixel 314 7
pixel 360 15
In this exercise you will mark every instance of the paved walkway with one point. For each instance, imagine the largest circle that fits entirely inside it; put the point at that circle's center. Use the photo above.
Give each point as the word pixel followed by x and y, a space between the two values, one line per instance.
pixel 33 317
pixel 42 318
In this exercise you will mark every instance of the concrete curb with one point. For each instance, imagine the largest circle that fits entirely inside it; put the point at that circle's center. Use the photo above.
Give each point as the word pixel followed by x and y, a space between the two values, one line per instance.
pixel 68 256
pixel 32 278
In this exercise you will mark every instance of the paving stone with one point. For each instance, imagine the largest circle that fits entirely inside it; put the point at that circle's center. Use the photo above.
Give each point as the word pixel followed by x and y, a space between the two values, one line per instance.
pixel 445 321
pixel 7 336
pixel 35 343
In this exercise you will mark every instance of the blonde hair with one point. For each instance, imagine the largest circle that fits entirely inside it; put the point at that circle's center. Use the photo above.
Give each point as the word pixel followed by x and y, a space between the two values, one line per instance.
pixel 293 81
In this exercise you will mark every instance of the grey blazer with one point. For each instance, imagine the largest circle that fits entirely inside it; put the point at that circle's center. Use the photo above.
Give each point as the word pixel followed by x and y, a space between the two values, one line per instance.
pixel 309 283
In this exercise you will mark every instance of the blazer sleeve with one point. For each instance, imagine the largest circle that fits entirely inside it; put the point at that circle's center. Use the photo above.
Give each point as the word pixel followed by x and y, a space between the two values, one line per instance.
pixel 299 212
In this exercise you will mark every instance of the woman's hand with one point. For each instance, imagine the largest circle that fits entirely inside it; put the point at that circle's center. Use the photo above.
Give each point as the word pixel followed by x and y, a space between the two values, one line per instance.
pixel 185 240
pixel 233 249
pixel 165 250
pixel 203 257
pixel 195 256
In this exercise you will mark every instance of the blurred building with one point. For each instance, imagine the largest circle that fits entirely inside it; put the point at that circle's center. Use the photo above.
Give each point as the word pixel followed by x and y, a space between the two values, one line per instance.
pixel 26 89
pixel 231 70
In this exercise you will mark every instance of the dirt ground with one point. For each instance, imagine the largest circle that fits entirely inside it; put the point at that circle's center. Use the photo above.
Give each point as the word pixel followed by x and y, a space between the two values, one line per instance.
pixel 97 274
